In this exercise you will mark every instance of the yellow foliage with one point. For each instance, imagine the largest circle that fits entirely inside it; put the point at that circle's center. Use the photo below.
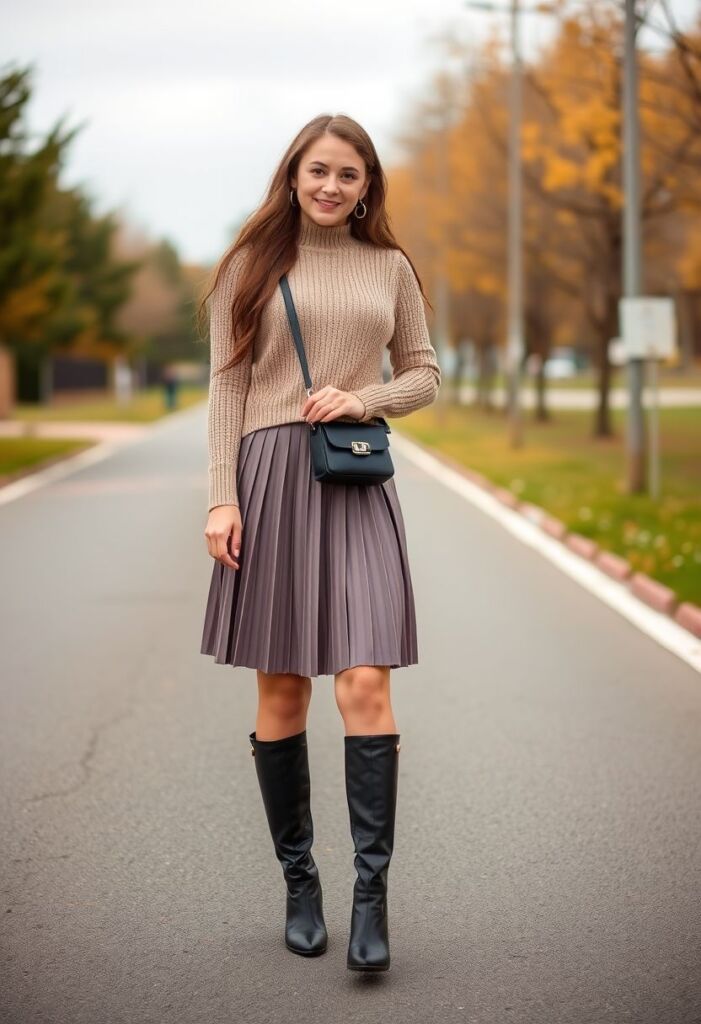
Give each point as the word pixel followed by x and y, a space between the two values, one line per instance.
pixel 565 217
pixel 488 284
pixel 689 261
pixel 24 308
pixel 560 173
pixel 597 167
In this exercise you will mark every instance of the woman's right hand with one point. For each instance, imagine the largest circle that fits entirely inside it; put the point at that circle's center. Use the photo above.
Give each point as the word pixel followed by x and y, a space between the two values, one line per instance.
pixel 224 523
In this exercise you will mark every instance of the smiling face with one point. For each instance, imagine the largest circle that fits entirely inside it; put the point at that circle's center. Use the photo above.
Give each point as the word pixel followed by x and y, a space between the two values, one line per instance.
pixel 330 169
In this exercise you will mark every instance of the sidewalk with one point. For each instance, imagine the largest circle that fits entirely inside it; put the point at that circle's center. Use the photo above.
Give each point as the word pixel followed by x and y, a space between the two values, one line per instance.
pixel 96 430
pixel 566 398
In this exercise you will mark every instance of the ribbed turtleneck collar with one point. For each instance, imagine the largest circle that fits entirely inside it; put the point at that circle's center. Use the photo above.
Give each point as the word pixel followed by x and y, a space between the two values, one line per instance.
pixel 318 236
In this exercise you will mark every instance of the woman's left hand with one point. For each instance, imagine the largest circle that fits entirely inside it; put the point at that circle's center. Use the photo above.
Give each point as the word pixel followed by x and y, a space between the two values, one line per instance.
pixel 329 403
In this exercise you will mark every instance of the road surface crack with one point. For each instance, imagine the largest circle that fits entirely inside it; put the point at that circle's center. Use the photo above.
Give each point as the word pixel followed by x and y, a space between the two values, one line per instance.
pixel 86 763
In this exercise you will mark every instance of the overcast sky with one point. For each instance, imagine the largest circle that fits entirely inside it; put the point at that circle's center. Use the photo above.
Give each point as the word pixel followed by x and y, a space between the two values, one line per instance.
pixel 187 107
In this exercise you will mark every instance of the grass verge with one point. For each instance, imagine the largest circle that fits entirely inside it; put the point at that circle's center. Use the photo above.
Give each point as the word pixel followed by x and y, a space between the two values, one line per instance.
pixel 22 455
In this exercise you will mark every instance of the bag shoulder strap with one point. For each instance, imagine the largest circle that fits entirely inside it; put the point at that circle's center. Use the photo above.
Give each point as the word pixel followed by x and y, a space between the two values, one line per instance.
pixel 296 332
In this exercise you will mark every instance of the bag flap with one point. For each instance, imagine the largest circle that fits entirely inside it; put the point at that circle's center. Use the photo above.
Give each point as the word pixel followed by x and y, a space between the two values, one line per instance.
pixel 341 435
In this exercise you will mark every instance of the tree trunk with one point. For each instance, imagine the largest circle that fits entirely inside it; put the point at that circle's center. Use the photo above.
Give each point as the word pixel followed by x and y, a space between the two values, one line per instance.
pixel 541 413
pixel 608 330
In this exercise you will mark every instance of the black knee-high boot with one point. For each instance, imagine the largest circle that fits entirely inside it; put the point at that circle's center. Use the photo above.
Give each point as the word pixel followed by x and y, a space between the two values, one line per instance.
pixel 282 767
pixel 372 768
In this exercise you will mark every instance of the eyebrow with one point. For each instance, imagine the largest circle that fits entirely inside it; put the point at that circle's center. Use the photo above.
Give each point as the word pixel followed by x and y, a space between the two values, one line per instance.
pixel 350 168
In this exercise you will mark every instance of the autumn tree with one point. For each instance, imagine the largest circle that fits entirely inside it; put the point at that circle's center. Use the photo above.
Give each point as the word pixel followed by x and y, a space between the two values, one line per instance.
pixel 573 201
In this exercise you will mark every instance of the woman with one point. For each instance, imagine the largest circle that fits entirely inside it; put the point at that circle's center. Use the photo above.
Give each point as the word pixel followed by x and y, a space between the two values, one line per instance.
pixel 312 578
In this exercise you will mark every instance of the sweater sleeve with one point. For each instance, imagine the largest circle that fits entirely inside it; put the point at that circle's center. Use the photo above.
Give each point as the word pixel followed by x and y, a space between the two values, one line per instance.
pixel 227 392
pixel 416 375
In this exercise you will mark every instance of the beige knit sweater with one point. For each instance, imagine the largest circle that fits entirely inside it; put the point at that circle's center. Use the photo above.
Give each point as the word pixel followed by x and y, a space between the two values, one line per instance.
pixel 353 299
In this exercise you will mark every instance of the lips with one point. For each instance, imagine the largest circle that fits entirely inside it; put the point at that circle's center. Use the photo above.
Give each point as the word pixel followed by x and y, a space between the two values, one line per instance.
pixel 328 205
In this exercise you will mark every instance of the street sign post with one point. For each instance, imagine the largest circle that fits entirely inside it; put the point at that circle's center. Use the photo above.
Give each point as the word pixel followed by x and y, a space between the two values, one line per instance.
pixel 648 329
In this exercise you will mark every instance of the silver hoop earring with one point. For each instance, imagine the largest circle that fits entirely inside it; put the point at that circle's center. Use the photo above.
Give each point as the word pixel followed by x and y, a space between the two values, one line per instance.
pixel 365 210
pixel 292 192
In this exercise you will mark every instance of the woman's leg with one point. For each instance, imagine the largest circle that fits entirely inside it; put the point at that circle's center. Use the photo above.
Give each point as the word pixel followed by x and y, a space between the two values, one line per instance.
pixel 363 698
pixel 371 765
pixel 283 701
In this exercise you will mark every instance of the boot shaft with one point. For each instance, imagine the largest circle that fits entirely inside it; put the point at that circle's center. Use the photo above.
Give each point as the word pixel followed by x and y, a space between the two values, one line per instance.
pixel 282 767
pixel 372 769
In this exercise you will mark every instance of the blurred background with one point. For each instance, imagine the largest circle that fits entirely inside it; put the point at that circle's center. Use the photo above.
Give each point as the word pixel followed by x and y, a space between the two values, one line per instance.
pixel 137 138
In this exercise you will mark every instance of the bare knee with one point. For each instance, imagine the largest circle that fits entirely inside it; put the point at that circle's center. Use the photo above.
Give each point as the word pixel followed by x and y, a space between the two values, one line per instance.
pixel 283 696
pixel 362 694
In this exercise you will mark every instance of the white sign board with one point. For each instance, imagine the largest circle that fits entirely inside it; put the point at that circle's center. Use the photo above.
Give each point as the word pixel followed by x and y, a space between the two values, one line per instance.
pixel 648 327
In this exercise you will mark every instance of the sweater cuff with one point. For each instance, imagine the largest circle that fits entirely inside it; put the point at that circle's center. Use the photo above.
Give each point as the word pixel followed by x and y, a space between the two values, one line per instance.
pixel 222 486
pixel 372 396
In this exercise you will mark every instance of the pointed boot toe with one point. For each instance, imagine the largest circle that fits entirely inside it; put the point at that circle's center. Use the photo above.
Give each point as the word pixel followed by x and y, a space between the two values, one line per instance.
pixel 305 929
pixel 368 949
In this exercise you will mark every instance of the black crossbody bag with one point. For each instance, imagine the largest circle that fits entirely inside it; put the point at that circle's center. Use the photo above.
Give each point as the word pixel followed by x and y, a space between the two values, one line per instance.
pixel 342 452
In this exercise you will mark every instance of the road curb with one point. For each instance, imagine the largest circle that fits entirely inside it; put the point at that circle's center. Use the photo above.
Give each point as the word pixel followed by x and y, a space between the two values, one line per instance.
pixel 688 615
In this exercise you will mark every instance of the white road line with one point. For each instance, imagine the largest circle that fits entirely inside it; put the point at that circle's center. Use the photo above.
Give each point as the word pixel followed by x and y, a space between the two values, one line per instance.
pixel 616 595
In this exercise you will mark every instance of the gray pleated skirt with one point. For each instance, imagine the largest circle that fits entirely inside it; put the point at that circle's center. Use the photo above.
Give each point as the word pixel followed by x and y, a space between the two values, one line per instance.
pixel 324 580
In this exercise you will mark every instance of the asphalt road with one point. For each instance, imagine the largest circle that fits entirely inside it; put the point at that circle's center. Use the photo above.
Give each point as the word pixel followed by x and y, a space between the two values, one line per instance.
pixel 547 865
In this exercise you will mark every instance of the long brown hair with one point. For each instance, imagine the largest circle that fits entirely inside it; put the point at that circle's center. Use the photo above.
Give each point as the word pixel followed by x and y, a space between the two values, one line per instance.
pixel 270 233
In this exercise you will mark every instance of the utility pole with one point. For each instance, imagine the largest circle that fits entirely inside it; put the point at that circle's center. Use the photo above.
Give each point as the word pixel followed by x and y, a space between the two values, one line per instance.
pixel 515 336
pixel 632 249
pixel 441 290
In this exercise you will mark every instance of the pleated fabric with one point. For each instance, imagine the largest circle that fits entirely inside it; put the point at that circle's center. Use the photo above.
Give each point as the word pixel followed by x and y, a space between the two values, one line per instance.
pixel 324 580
